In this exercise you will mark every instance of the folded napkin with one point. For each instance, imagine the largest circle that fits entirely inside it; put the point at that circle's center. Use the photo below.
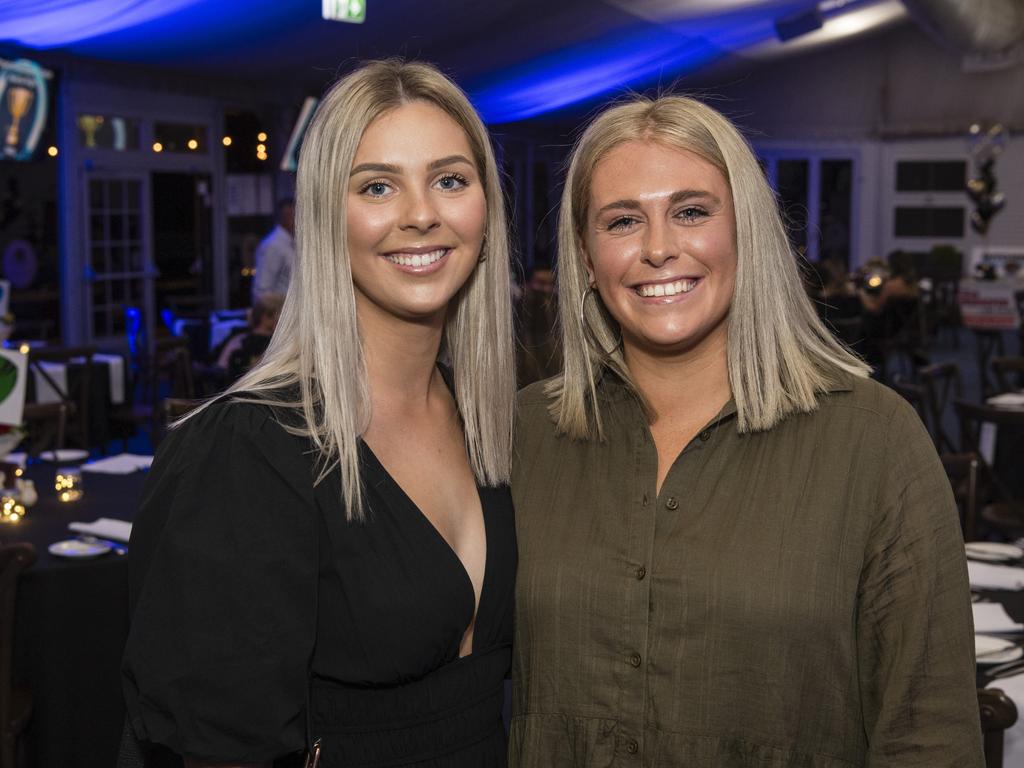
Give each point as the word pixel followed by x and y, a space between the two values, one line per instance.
pixel 16 458
pixel 1013 737
pixel 1008 400
pixel 105 528
pixel 987 576
pixel 992 617
pixel 122 464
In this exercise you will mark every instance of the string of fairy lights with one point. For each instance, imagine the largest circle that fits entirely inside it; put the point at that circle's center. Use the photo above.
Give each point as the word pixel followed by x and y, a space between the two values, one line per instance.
pixel 193 146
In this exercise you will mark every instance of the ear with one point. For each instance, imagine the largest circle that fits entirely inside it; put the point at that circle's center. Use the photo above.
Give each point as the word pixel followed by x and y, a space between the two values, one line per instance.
pixel 588 263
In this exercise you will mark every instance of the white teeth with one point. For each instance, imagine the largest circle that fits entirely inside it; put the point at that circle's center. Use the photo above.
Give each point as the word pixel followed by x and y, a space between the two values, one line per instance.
pixel 416 259
pixel 666 289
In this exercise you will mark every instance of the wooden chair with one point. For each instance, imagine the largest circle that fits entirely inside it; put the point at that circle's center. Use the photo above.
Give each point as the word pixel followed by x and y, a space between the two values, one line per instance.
pixel 913 394
pixel 47 427
pixel 1000 505
pixel 998 712
pixel 75 398
pixel 15 703
pixel 989 345
pixel 166 374
pixel 942 384
pixel 172 409
pixel 1009 373
pixel 963 471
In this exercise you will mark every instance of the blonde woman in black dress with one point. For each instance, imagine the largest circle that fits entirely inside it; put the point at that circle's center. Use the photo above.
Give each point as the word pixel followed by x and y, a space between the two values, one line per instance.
pixel 328 550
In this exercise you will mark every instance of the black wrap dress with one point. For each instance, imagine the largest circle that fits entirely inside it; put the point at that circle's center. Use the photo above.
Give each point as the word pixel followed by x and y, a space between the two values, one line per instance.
pixel 251 592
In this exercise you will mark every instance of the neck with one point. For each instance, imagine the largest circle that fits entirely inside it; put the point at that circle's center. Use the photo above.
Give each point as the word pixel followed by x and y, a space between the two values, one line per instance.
pixel 401 357
pixel 694 382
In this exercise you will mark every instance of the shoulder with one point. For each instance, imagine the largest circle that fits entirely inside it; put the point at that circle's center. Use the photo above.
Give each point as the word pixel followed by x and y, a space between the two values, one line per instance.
pixel 858 398
pixel 534 395
pixel 533 408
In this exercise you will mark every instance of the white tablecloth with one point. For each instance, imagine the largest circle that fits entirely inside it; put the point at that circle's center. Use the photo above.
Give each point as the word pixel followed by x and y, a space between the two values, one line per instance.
pixel 1013 738
pixel 45 393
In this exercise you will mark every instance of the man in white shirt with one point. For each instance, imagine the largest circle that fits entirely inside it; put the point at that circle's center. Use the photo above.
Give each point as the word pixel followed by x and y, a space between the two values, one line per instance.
pixel 275 254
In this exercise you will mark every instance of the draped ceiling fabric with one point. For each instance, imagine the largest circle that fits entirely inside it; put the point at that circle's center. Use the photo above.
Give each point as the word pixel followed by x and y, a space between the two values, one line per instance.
pixel 51 23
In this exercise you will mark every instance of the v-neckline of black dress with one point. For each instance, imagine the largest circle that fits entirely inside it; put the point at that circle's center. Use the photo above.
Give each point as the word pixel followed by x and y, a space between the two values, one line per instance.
pixel 476 609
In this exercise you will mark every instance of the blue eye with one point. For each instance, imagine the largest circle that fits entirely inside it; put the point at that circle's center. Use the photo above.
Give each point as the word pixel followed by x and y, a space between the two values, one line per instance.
pixel 451 181
pixel 622 222
pixel 375 189
pixel 691 213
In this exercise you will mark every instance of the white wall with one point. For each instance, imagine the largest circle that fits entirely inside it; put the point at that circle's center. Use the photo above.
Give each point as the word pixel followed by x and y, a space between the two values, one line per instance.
pixel 895 95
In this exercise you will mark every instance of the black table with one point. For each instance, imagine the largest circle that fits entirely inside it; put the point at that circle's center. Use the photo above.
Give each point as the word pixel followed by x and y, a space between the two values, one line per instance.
pixel 71 624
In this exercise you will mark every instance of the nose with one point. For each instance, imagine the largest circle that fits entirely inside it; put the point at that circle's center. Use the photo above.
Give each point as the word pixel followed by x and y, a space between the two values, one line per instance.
pixel 419 213
pixel 658 248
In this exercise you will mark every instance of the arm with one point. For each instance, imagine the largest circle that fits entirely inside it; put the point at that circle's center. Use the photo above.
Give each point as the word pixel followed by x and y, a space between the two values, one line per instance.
pixel 217 656
pixel 914 625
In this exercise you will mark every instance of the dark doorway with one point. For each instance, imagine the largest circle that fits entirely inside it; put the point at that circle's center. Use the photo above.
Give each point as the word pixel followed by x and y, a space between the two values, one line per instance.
pixel 183 242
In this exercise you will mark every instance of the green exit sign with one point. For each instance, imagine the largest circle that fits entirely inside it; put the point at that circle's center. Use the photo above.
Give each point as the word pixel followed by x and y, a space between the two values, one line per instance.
pixel 352 11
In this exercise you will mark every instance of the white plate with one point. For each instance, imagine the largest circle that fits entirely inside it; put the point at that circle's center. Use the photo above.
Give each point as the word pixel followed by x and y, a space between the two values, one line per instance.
pixel 993 552
pixel 64 454
pixel 995 650
pixel 79 550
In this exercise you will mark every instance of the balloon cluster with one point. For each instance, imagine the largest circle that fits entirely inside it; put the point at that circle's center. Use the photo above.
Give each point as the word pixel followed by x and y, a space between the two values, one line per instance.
pixel 985 147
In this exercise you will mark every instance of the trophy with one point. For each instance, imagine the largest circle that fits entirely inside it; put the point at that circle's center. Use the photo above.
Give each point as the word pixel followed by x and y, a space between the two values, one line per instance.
pixel 89 125
pixel 19 99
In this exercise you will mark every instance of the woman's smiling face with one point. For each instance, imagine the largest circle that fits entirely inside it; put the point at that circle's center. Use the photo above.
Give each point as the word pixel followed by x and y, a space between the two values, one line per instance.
pixel 417 212
pixel 660 247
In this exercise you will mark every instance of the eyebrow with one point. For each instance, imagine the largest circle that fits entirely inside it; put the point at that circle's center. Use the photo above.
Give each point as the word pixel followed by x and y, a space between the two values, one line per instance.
pixel 388 168
pixel 676 198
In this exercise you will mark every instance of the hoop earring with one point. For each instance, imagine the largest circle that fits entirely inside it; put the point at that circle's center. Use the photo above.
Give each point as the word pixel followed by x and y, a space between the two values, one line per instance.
pixel 589 332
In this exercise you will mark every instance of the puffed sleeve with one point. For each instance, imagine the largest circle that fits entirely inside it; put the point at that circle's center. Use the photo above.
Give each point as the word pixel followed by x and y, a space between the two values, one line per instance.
pixel 914 627
pixel 223 562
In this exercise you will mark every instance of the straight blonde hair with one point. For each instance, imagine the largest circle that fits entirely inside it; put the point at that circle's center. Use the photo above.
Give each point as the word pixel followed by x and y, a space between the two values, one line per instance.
pixel 316 347
pixel 780 355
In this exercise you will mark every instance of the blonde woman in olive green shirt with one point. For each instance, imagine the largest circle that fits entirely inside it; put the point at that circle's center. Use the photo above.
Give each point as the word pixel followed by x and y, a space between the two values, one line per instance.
pixel 735 549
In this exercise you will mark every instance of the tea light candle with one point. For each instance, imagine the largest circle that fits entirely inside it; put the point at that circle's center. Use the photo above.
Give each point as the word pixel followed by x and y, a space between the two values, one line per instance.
pixel 11 511
pixel 68 484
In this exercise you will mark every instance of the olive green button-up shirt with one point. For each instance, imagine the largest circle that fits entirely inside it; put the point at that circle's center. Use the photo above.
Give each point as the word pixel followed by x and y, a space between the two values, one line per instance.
pixel 795 597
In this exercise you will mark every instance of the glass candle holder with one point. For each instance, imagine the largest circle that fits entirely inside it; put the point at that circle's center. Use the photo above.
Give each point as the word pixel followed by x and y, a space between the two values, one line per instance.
pixel 68 483
pixel 11 510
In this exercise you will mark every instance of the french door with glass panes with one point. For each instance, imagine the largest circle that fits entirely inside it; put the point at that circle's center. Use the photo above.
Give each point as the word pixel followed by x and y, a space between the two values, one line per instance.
pixel 119 267
pixel 818 197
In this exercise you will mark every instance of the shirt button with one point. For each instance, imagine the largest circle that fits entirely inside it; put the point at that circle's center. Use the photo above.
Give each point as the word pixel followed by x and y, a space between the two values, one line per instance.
pixel 672 503
pixel 705 435
pixel 635 660
pixel 640 573
pixel 645 501
pixel 632 747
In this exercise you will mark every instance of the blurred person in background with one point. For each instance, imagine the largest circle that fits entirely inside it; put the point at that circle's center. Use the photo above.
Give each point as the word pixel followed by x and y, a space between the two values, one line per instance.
pixel 538 354
pixel 275 255
pixel 243 350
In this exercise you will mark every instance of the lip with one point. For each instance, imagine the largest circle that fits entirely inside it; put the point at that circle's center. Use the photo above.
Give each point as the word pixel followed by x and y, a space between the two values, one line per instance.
pixel 658 300
pixel 423 269
pixel 414 249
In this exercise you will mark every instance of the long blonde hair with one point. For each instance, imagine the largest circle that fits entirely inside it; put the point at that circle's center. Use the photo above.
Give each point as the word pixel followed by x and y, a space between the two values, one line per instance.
pixel 317 347
pixel 780 355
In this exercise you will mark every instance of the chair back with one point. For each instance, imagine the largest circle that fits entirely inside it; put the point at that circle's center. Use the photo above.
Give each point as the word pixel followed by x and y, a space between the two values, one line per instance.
pixel 47 426
pixel 14 560
pixel 76 398
pixel 915 395
pixel 988 345
pixel 172 365
pixel 1009 373
pixel 963 471
pixel 998 712
pixel 972 417
pixel 942 384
